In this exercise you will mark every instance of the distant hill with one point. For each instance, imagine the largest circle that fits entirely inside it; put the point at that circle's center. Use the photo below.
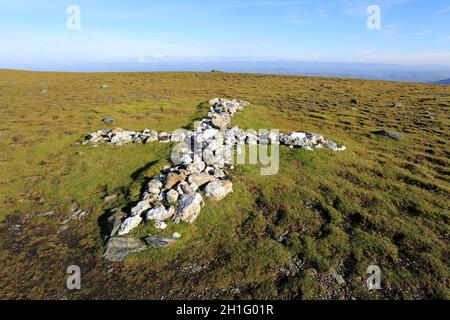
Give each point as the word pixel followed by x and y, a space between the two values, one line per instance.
pixel 446 81
pixel 372 71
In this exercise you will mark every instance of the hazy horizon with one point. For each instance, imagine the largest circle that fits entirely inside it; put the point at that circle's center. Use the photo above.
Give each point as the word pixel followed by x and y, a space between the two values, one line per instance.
pixel 399 40
pixel 372 71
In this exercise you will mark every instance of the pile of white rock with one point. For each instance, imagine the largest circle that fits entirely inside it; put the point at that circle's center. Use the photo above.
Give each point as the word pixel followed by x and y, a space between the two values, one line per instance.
pixel 120 136
pixel 199 165
pixel 198 171
pixel 215 124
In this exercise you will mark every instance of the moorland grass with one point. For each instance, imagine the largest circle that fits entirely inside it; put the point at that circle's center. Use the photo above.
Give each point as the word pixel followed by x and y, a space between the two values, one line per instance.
pixel 382 202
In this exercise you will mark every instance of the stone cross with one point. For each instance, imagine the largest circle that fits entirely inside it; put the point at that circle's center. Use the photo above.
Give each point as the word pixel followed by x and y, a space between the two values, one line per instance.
pixel 200 159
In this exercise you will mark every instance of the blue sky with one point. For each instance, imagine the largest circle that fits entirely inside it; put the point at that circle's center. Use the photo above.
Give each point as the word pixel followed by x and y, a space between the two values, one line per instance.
pixel 415 32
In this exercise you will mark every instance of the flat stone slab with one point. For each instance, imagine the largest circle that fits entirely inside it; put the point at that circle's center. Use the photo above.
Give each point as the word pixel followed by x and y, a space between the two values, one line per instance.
pixel 158 242
pixel 118 248
pixel 388 134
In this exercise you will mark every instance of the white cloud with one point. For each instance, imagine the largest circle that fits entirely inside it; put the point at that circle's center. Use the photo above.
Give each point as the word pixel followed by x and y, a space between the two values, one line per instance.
pixel 445 10
pixel 83 47
pixel 155 56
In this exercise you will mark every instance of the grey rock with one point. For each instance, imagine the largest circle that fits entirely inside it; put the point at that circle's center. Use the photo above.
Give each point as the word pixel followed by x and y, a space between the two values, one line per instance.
pixel 292 268
pixel 252 138
pixel 200 179
pixel 196 167
pixel 47 214
pixel 154 186
pixel 110 198
pixel 209 157
pixel 176 235
pixel 194 268
pixel 137 138
pixel 115 219
pixel 220 121
pixel 129 224
pixel 186 159
pixel 184 188
pixel 283 236
pixel 336 276
pixel 173 178
pixel 177 136
pixel 109 120
pixel 122 137
pixel 218 189
pixel 141 207
pixel 76 213
pixel 158 242
pixel 388 134
pixel 159 212
pixel 165 170
pixel 213 101
pixel 150 136
pixel 218 173
pixel 331 145
pixel 189 208
pixel 160 225
pixel 117 248
pixel 164 137
pixel 297 139
pixel 172 196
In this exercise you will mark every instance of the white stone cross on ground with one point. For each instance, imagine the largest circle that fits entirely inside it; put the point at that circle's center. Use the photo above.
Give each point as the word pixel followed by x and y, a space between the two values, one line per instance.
pixel 199 159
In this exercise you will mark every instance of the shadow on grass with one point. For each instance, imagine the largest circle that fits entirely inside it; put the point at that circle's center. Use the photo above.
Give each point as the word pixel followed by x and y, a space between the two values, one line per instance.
pixel 102 221
pixel 202 110
pixel 137 174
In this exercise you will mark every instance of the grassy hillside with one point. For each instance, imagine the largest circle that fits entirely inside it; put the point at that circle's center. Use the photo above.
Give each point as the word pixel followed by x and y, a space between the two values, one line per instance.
pixel 382 202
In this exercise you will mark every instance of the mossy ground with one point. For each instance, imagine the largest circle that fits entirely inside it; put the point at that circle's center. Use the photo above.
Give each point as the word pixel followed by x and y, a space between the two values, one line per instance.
pixel 381 202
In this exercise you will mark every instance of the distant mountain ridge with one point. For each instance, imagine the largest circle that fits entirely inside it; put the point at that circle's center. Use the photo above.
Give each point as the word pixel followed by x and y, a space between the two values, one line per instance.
pixel 445 81
pixel 371 71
